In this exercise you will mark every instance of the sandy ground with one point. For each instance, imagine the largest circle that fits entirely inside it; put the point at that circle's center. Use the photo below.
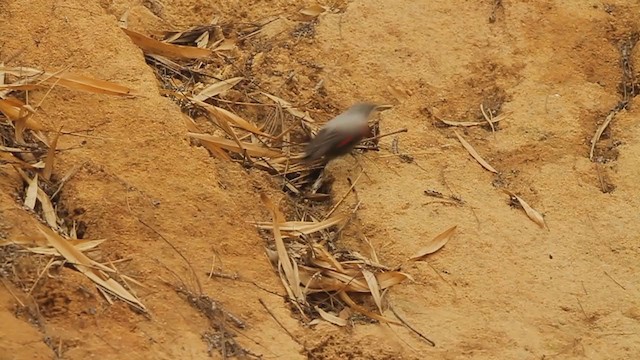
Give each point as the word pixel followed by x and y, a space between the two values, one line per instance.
pixel 503 288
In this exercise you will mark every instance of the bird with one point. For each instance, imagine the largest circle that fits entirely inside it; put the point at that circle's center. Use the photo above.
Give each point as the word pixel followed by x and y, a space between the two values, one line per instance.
pixel 341 134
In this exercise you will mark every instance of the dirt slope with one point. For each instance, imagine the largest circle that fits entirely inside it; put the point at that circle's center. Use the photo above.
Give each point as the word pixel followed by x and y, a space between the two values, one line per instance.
pixel 505 288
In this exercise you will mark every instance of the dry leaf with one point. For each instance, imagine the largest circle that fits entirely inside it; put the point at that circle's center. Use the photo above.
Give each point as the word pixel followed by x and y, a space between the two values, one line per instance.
pixel 217 88
pixel 89 267
pixel 435 244
pixel 345 297
pixel 225 115
pixel 251 149
pixel 225 45
pixel 32 193
pixel 153 46
pixel 72 81
pixel 599 132
pixel 475 154
pixel 313 10
pixel 330 317
pixel 371 280
pixel 533 214
pixel 289 267
pixel 16 111
pixel 82 245
pixel 290 108
pixel 48 164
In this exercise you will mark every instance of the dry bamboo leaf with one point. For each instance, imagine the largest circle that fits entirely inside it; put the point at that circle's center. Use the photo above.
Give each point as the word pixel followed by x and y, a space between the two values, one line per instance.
pixel 23 87
pixel 84 245
pixel 48 211
pixel 32 193
pixel 225 45
pixel 290 108
pixel 345 297
pixel 314 10
pixel 469 123
pixel 288 266
pixel 2 75
pixel 16 111
pixel 48 164
pixel 371 280
pixel 222 114
pixel 435 244
pixel 531 212
pixel 599 132
pixel 298 228
pixel 251 149
pixel 88 267
pixel 217 88
pixel 335 320
pixel 475 154
pixel 388 279
pixel 73 81
pixel 153 46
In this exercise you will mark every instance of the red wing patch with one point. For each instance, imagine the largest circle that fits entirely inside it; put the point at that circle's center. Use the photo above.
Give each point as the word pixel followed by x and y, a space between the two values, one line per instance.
pixel 345 141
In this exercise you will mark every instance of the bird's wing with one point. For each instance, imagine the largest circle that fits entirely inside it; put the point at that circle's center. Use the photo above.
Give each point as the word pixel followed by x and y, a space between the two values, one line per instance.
pixel 323 143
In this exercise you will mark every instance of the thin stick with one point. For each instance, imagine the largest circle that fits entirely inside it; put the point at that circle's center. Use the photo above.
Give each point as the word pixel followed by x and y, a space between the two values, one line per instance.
pixel 489 119
pixel 344 196
pixel 193 271
pixel 403 130
pixel 11 292
pixel 40 276
pixel 278 322
pixel 429 341
pixel 614 280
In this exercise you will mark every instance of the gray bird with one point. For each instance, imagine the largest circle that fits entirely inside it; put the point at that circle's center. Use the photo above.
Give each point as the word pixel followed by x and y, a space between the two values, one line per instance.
pixel 341 134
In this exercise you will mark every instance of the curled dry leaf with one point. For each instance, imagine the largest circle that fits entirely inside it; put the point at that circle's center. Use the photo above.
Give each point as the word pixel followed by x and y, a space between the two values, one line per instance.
pixel 599 131
pixel 435 244
pixel 531 212
pixel 217 88
pixel 153 46
pixel 475 154
pixel 16 111
pixel 331 318
pixel 313 10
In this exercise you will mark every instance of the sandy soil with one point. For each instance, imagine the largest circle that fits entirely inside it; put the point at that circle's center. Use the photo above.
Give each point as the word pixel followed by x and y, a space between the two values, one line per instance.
pixel 503 288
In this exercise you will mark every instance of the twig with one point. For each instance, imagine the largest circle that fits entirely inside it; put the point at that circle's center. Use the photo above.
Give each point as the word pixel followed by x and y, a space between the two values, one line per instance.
pixel 489 119
pixel 429 341
pixel 403 130
pixel 614 280
pixel 279 323
pixel 11 292
pixel 193 271
pixel 344 196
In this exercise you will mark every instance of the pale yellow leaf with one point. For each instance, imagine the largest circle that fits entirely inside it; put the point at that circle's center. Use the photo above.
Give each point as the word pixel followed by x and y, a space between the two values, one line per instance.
pixel 531 212
pixel 32 193
pixel 435 244
pixel 153 46
pixel 371 280
pixel 330 317
pixel 475 154
pixel 217 88
pixel 313 10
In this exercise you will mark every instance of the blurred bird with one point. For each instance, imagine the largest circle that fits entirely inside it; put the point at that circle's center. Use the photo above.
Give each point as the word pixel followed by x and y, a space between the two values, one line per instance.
pixel 341 134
